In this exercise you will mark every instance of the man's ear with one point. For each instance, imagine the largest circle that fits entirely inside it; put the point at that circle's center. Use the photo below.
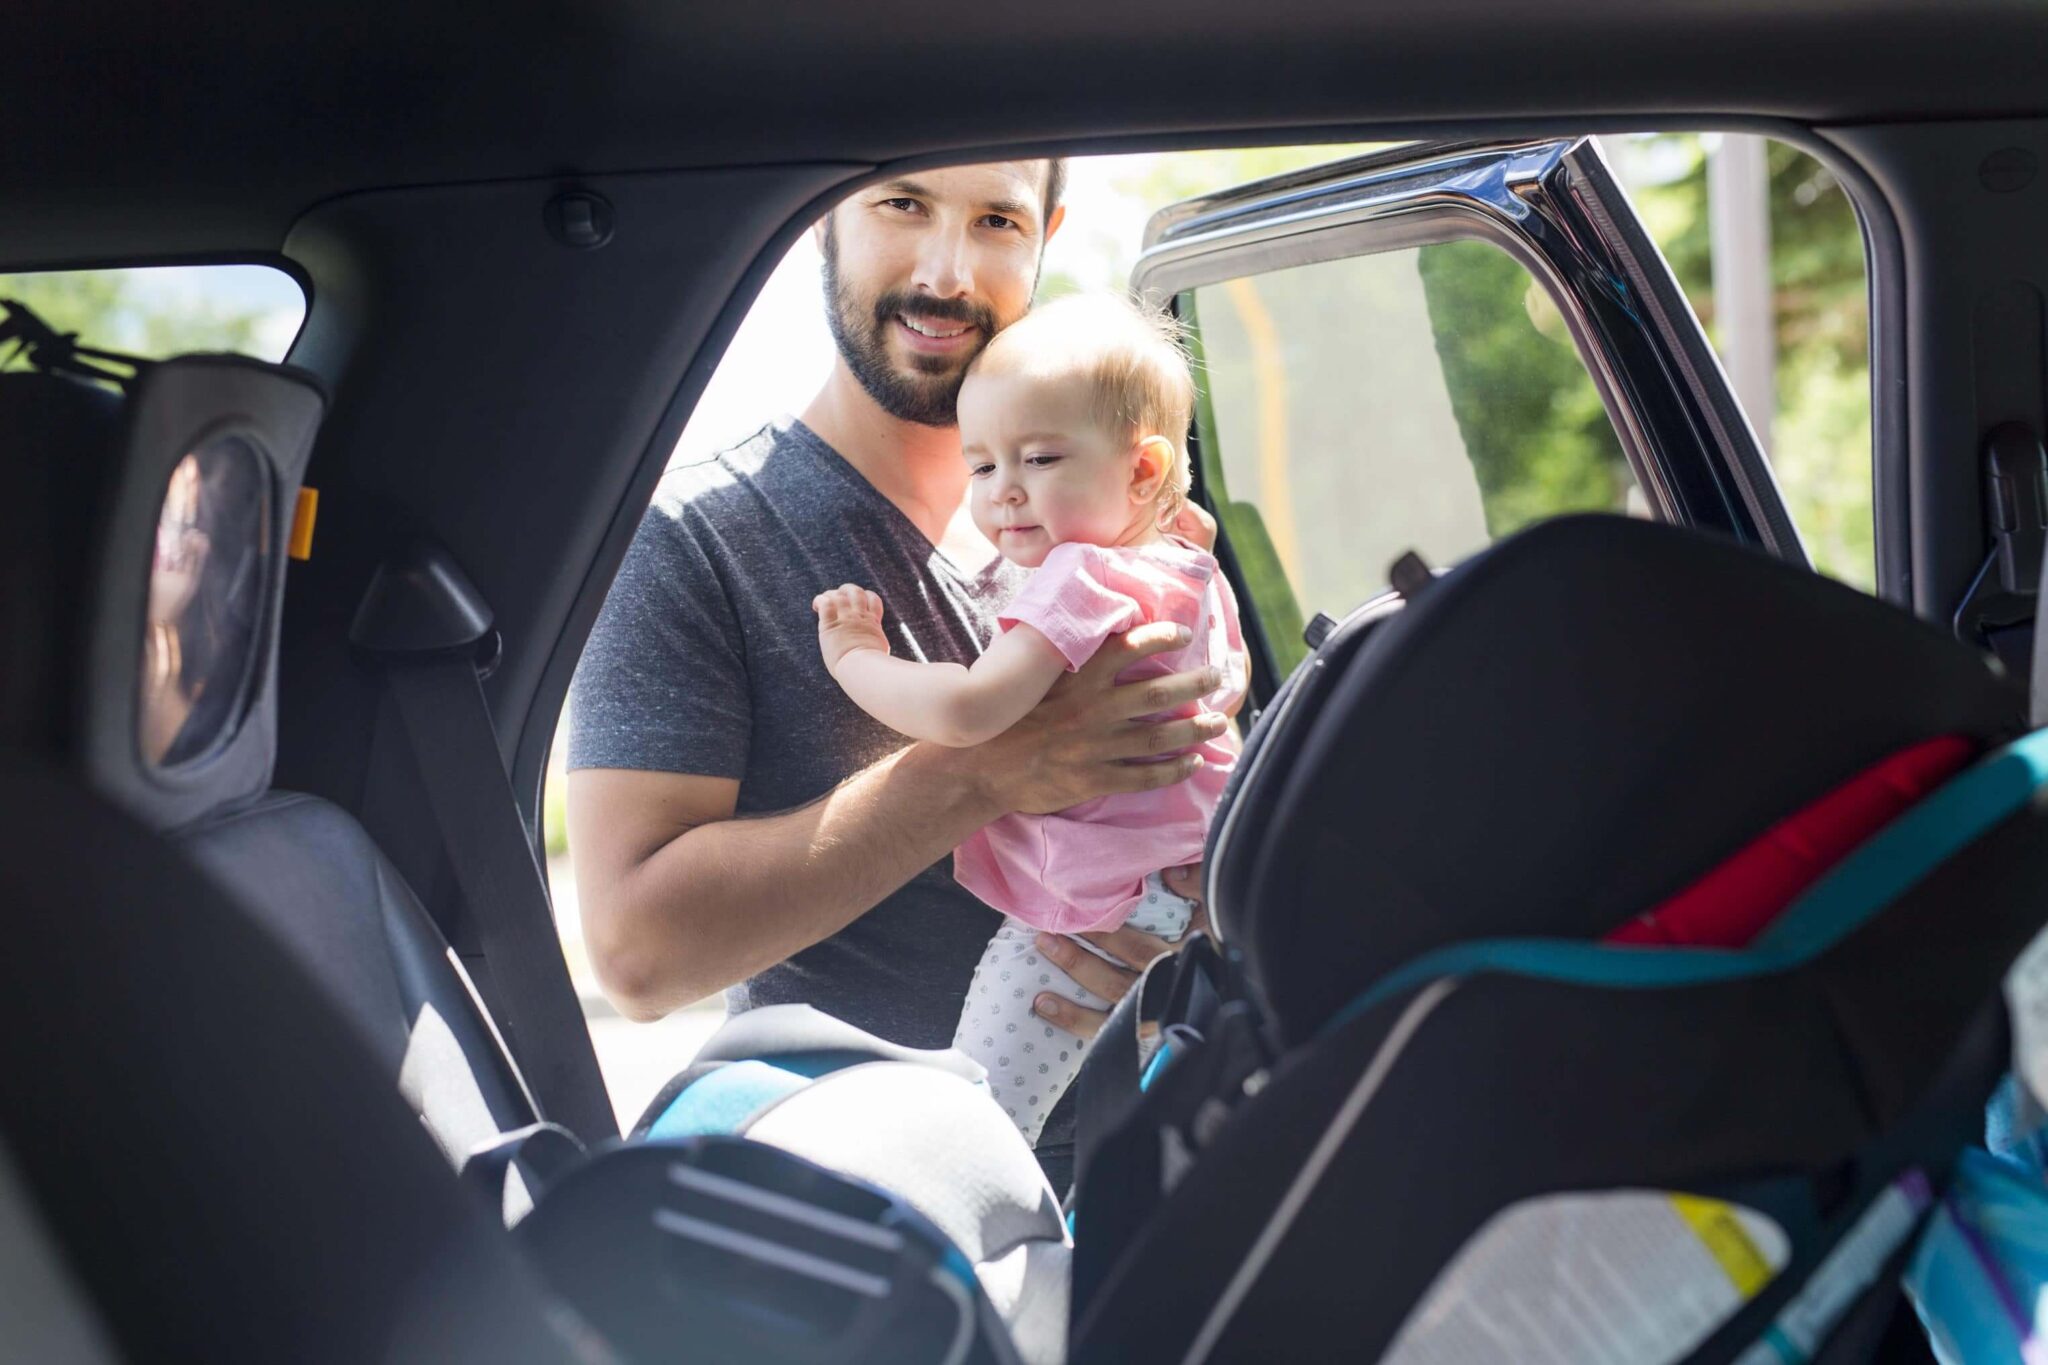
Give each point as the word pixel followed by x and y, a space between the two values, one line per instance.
pixel 1149 470
pixel 1052 224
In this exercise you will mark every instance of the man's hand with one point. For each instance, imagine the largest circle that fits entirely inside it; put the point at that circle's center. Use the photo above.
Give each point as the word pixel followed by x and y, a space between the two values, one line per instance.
pixel 1133 947
pixel 1089 738
pixel 849 618
pixel 1186 882
pixel 1195 526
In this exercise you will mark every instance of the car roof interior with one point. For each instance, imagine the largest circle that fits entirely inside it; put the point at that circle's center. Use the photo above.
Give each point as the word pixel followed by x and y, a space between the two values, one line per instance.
pixel 515 398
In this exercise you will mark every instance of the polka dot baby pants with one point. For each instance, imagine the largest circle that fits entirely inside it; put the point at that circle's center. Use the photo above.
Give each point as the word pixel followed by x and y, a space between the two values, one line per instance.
pixel 1030 1063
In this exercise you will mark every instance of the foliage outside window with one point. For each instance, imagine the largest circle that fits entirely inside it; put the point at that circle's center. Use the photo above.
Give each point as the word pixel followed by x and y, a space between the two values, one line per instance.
pixel 1820 433
pixel 1429 398
pixel 158 311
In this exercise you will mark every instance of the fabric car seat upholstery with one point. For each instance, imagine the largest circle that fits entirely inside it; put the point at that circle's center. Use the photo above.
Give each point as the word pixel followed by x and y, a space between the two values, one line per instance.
pixel 201 1160
pixel 101 463
pixel 46 525
pixel 919 1124
pixel 312 874
pixel 219 1167
pixel 1606 707
pixel 1549 740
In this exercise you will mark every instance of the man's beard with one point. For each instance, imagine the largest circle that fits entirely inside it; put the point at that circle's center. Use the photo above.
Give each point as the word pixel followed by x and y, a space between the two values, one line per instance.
pixel 930 395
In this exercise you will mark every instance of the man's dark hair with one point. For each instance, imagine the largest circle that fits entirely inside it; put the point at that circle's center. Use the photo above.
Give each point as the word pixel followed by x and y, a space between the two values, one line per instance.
pixel 1055 184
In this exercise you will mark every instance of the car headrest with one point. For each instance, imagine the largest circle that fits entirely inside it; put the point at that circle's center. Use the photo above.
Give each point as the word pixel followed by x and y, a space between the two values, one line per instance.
pixel 1555 736
pixel 164 507
pixel 56 433
pixel 226 1168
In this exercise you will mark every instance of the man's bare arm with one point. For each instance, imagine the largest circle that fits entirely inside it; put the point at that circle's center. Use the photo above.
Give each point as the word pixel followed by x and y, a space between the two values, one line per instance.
pixel 681 899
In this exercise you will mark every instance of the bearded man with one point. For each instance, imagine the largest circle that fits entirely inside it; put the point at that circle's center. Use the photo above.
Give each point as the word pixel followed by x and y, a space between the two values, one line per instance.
pixel 737 823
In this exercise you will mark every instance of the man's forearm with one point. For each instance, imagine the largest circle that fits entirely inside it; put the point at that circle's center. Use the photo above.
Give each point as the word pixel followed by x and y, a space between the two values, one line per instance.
pixel 727 899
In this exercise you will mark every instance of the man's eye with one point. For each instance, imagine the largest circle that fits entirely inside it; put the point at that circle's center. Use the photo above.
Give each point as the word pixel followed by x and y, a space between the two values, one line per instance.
pixel 902 205
pixel 996 220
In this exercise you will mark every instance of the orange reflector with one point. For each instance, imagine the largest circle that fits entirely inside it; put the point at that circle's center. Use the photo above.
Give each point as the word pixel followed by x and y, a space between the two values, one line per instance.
pixel 308 510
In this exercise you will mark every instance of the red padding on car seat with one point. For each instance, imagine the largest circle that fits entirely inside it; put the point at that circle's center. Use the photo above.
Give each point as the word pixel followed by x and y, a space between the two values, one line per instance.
pixel 1735 902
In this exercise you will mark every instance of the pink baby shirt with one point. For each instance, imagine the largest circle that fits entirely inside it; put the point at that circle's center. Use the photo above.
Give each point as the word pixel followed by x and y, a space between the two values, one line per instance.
pixel 1083 868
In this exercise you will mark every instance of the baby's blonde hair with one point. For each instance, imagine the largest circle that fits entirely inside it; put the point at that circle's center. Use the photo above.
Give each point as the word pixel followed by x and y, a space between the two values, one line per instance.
pixel 1134 357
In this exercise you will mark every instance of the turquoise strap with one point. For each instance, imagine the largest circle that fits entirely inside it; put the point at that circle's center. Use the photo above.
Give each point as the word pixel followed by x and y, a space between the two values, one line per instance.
pixel 1876 874
pixel 1160 1061
pixel 719 1103
pixel 722 1100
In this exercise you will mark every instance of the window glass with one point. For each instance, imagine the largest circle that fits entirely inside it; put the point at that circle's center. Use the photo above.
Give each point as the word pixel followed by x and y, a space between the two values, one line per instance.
pixel 157 311
pixel 206 590
pixel 1428 399
pixel 1766 244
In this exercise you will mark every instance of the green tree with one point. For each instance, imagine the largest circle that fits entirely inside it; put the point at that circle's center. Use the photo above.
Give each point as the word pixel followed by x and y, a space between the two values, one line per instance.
pixel 1532 422
pixel 118 310
pixel 1820 433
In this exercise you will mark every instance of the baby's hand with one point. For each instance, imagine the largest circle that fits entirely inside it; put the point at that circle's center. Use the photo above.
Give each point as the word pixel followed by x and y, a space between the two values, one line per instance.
pixel 849 618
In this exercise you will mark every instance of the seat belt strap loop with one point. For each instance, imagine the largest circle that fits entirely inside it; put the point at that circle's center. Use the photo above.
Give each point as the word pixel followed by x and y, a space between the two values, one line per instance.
pixel 448 723
pixel 434 634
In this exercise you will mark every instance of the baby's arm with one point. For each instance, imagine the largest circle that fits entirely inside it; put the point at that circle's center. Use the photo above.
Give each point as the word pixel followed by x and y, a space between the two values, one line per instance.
pixel 944 703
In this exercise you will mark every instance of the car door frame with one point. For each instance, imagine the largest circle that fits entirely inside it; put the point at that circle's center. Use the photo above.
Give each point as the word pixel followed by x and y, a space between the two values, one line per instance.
pixel 1554 206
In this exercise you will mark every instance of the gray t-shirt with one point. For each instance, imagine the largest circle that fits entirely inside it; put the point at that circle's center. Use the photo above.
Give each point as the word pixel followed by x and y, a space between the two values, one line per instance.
pixel 705 660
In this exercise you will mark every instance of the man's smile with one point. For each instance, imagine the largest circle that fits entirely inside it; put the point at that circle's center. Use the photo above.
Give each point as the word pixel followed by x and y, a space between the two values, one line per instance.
pixel 933 329
pixel 933 336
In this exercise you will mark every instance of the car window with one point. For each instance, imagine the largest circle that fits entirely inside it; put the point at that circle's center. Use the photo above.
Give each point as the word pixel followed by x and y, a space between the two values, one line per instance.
pixel 1766 243
pixel 1428 398
pixel 157 311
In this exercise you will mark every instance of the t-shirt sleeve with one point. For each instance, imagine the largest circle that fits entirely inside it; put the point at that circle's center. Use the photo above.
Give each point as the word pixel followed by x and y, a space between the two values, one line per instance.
pixel 662 685
pixel 1068 602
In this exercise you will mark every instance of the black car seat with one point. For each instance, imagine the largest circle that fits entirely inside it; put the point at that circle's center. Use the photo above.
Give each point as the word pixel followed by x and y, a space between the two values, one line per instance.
pixel 1442 1120
pixel 199 1160
pixel 226 440
pixel 199 1157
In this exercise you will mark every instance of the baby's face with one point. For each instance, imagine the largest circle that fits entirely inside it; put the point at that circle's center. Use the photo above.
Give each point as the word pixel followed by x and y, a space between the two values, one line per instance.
pixel 1042 471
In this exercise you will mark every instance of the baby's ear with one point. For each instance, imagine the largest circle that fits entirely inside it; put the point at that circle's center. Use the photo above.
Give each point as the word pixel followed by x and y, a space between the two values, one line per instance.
pixel 1149 470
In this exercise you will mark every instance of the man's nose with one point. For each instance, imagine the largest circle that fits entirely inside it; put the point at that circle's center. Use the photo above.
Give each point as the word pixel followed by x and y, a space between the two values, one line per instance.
pixel 944 267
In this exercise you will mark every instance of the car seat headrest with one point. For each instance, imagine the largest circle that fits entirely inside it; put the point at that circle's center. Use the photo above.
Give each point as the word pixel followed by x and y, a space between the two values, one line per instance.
pixel 1557 735
pixel 167 504
pixel 56 433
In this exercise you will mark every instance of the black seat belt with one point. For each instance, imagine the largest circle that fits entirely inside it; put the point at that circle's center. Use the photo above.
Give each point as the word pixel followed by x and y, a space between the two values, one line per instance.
pixel 1998 612
pixel 425 623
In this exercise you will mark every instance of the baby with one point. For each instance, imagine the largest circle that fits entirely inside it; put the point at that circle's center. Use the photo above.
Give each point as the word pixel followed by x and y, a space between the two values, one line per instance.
pixel 1072 421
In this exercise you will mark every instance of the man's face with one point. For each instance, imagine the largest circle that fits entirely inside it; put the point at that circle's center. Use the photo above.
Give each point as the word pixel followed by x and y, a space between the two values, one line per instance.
pixel 922 270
